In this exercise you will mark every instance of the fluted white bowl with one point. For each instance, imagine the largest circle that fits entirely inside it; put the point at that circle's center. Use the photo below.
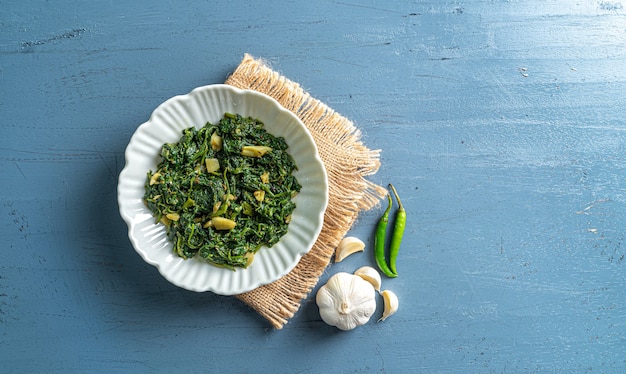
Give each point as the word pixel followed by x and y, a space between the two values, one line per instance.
pixel 208 104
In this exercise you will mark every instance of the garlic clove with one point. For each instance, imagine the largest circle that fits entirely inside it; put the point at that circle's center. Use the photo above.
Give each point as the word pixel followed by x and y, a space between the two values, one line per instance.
pixel 371 275
pixel 348 246
pixel 391 304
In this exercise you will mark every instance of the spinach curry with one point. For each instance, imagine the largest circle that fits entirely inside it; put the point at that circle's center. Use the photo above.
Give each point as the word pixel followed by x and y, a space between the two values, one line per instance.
pixel 223 191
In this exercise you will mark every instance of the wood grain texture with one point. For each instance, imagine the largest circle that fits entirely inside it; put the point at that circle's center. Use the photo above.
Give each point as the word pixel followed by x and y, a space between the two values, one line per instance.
pixel 501 123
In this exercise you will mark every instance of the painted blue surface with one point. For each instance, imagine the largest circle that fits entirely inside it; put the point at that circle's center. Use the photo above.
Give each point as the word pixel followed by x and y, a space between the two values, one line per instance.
pixel 502 124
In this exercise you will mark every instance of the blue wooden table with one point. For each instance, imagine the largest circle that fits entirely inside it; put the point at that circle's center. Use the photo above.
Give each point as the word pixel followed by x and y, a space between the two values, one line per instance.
pixel 502 124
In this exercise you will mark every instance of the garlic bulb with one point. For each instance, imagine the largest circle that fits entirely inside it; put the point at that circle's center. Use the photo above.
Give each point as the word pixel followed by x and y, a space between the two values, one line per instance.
pixel 371 275
pixel 348 246
pixel 391 304
pixel 346 301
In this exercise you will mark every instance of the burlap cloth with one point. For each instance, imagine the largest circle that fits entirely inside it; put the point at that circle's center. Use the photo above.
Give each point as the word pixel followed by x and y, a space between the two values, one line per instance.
pixel 347 161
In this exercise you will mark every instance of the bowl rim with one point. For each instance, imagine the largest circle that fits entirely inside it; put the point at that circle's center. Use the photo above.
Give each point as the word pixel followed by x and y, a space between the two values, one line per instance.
pixel 231 92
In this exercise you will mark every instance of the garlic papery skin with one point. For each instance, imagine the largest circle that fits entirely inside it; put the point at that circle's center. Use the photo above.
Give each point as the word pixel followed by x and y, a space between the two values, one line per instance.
pixel 346 301
pixel 391 304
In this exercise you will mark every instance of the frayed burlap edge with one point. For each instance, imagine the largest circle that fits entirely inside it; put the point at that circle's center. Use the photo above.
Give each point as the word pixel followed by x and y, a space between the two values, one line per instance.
pixel 347 161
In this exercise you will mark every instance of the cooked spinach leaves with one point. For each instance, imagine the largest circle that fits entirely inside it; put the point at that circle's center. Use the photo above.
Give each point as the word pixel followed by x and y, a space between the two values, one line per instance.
pixel 223 191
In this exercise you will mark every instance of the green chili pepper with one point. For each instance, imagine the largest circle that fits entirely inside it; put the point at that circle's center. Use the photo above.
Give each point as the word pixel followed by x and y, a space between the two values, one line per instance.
pixel 398 232
pixel 379 242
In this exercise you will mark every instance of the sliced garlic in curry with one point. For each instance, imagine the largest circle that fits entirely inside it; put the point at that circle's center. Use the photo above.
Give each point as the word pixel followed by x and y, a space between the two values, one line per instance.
pixel 166 221
pixel 249 258
pixel 265 177
pixel 259 195
pixel 172 216
pixel 212 165
pixel 391 304
pixel 221 223
pixel 155 178
pixel 216 142
pixel 371 275
pixel 254 150
pixel 348 246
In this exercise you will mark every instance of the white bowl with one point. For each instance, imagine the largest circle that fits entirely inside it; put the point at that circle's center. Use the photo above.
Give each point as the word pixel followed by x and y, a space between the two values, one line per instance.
pixel 208 104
